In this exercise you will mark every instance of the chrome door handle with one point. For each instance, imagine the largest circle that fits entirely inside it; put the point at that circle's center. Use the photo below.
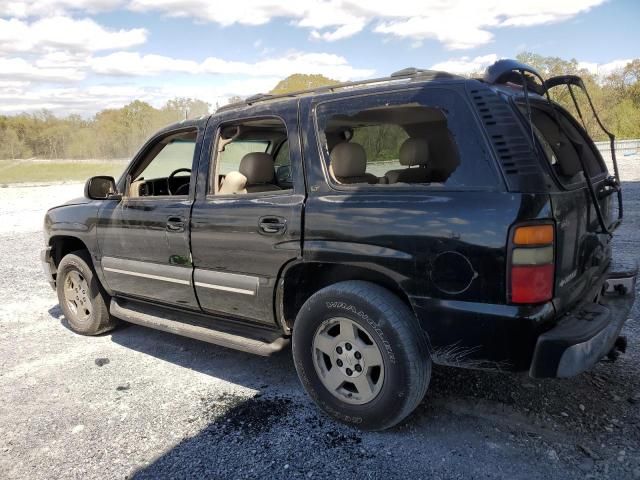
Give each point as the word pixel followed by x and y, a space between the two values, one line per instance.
pixel 175 224
pixel 272 225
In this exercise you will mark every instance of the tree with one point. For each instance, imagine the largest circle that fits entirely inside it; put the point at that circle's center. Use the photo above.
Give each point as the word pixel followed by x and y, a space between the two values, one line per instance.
pixel 299 81
pixel 182 108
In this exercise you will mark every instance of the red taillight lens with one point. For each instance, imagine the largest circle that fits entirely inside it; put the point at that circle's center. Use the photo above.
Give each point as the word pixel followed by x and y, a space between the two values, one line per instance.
pixel 531 284
pixel 531 264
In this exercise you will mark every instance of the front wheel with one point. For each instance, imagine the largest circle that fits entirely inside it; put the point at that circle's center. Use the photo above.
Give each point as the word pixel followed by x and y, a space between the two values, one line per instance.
pixel 81 298
pixel 361 355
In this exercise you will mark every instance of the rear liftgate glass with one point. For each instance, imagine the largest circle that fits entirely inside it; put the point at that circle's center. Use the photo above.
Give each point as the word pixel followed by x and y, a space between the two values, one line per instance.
pixel 510 71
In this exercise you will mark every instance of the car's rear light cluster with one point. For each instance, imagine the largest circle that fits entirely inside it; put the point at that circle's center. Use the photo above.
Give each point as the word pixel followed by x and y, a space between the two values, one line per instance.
pixel 531 264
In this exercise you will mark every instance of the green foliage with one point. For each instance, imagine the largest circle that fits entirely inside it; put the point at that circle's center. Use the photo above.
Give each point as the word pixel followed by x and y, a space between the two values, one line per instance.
pixel 111 133
pixel 380 142
pixel 616 97
pixel 299 81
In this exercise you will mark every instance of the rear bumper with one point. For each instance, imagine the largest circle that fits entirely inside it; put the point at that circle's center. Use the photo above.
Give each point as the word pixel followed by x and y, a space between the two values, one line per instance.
pixel 48 267
pixel 587 333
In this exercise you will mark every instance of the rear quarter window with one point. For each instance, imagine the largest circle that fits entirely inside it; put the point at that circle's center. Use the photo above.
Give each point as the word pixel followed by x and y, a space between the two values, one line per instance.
pixel 423 138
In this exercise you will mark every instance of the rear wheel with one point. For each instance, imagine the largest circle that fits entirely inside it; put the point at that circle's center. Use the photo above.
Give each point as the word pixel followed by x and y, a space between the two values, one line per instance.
pixel 81 298
pixel 361 355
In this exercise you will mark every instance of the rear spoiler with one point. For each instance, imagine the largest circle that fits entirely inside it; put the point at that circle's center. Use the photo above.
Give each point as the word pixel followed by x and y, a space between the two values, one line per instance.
pixel 511 71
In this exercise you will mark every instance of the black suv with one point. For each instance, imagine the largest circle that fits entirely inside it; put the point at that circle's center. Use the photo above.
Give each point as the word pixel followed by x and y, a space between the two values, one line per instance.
pixel 381 226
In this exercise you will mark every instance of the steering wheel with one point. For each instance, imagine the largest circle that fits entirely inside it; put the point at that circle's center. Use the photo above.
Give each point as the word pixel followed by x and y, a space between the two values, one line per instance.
pixel 170 178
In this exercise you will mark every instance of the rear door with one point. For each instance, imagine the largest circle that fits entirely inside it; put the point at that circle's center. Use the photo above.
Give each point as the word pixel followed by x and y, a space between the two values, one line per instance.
pixel 583 250
pixel 240 241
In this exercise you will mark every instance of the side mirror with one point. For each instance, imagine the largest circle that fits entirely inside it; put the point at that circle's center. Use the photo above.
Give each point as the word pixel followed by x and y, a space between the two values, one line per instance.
pixel 101 188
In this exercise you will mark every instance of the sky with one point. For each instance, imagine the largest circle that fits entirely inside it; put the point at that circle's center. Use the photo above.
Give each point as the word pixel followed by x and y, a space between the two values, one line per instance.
pixel 81 56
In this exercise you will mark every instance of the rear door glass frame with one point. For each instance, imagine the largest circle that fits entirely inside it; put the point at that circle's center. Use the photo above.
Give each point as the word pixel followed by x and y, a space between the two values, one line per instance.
pixel 461 122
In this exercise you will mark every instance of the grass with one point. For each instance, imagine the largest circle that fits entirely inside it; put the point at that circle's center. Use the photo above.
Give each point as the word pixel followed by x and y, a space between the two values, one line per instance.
pixel 23 171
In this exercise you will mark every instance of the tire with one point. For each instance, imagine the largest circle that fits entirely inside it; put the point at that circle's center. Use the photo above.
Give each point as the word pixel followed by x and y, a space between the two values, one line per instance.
pixel 81 297
pixel 380 320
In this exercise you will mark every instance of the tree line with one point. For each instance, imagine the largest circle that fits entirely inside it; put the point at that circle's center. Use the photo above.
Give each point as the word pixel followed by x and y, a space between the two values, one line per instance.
pixel 111 133
pixel 118 133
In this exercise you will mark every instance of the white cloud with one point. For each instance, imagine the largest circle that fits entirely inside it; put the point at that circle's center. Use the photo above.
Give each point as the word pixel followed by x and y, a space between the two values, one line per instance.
pixel 604 69
pixel 458 24
pixel 41 8
pixel 466 65
pixel 86 101
pixel 64 33
pixel 134 64
pixel 18 69
pixel 344 31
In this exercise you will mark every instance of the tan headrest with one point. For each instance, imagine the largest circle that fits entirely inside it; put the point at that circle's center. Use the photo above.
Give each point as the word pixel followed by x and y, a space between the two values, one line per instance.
pixel 348 160
pixel 414 151
pixel 257 167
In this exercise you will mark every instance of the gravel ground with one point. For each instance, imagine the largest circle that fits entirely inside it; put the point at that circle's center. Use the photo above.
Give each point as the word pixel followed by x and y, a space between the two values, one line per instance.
pixel 145 404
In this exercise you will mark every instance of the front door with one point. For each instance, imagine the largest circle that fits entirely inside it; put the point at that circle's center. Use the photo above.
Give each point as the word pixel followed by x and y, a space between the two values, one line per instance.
pixel 246 221
pixel 144 238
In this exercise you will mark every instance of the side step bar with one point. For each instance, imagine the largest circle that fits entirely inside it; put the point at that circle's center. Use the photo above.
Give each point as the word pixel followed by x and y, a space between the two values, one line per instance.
pixel 256 340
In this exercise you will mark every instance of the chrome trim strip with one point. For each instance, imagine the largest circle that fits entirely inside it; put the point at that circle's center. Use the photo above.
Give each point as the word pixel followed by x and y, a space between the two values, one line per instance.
pixel 226 289
pixel 147 275
pixel 226 281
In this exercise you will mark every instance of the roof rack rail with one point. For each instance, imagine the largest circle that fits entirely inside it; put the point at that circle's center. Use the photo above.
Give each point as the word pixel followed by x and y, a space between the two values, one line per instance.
pixel 257 97
pixel 406 73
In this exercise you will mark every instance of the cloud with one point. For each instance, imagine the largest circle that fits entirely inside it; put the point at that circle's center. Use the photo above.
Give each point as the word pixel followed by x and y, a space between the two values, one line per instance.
pixel 42 8
pixel 17 98
pixel 135 64
pixel 458 24
pixel 64 33
pixel 604 69
pixel 466 65
pixel 19 69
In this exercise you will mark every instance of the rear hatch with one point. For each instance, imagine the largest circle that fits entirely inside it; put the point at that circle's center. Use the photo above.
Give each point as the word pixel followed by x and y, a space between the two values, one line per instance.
pixel 583 240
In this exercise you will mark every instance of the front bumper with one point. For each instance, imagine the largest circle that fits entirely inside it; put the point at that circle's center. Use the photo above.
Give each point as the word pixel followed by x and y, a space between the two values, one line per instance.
pixel 48 267
pixel 587 333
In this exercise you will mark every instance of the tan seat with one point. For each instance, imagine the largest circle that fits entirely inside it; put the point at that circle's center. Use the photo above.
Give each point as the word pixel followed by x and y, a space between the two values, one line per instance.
pixel 348 164
pixel 256 174
pixel 414 154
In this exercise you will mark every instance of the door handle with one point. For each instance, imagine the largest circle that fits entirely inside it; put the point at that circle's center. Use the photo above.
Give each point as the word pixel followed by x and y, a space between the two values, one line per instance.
pixel 175 224
pixel 272 225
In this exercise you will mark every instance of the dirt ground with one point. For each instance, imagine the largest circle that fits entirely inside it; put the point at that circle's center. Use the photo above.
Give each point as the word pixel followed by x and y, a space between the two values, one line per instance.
pixel 146 404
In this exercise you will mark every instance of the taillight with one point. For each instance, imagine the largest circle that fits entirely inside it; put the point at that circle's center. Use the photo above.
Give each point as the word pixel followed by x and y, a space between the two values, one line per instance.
pixel 531 266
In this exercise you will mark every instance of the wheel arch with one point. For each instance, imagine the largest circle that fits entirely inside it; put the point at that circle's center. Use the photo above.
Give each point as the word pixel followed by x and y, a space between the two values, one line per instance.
pixel 62 245
pixel 300 280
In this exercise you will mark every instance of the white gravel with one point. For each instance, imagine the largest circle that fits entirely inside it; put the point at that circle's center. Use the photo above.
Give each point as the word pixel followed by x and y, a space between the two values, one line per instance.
pixel 169 407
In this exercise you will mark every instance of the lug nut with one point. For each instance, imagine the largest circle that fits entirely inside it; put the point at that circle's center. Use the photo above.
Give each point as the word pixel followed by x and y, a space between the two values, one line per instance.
pixel 339 362
pixel 347 346
pixel 358 355
pixel 339 350
pixel 358 368
pixel 349 372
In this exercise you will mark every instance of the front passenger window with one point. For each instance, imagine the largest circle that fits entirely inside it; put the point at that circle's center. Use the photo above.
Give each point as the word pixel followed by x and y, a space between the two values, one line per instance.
pixel 166 169
pixel 252 157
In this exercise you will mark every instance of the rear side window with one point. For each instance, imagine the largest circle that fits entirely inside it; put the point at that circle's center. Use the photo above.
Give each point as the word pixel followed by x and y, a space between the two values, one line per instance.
pixel 421 139
pixel 563 143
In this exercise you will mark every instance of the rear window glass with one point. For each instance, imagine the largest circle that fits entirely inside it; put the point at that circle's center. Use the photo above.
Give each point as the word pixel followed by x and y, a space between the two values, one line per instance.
pixel 563 143
pixel 382 144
